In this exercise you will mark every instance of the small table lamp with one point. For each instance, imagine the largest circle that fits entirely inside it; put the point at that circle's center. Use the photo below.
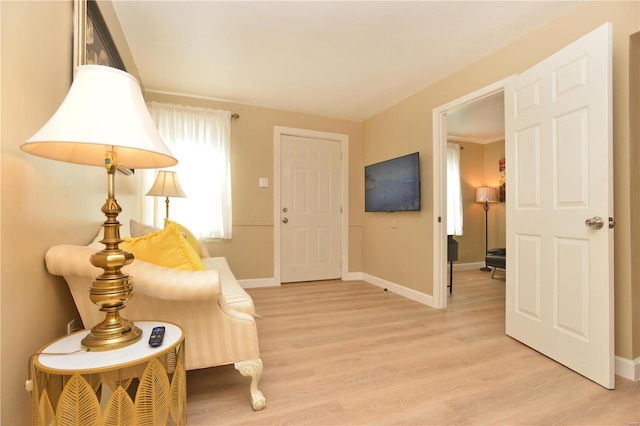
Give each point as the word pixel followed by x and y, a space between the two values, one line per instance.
pixel 103 121
pixel 486 195
pixel 166 185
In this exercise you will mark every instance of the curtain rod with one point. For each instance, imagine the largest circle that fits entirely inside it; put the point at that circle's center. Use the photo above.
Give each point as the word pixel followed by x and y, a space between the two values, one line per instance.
pixel 234 115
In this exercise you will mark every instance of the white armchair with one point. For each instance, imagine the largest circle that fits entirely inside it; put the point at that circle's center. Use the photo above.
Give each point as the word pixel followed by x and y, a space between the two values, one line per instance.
pixel 214 310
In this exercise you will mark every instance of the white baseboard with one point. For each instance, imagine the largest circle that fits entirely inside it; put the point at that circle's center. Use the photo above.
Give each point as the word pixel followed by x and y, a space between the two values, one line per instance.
pixel 628 369
pixel 466 266
pixel 260 282
pixel 271 282
pixel 415 295
pixel 353 276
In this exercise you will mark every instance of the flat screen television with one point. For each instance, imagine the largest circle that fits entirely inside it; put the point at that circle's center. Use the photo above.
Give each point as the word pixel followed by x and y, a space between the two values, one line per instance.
pixel 393 185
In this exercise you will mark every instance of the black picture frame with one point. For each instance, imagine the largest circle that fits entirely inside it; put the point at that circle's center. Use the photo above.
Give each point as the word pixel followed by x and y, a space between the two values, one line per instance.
pixel 93 43
pixel 92 40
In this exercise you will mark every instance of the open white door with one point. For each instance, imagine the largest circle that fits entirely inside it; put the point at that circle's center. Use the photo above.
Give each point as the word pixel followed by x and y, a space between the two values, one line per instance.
pixel 559 295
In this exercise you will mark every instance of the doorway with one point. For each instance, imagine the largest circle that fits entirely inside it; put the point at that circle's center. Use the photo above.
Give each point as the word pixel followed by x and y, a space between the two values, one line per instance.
pixel 479 132
pixel 440 137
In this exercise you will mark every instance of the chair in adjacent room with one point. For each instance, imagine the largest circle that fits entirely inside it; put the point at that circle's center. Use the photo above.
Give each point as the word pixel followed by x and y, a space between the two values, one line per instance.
pixel 496 258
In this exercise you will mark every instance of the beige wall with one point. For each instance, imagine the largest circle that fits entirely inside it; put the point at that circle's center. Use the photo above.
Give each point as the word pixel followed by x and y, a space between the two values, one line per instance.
pixel 497 217
pixel 471 243
pixel 44 202
pixel 634 159
pixel 410 124
pixel 478 167
pixel 250 252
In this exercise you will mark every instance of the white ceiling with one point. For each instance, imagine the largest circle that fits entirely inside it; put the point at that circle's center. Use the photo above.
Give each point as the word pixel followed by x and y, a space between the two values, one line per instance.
pixel 342 59
pixel 480 122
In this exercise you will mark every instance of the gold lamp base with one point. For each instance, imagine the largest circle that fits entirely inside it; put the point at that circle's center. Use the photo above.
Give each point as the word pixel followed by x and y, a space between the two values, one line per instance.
pixel 118 336
pixel 113 288
pixel 111 294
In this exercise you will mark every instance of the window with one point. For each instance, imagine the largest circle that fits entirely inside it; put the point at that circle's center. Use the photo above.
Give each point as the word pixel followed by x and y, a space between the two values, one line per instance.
pixel 200 139
pixel 454 193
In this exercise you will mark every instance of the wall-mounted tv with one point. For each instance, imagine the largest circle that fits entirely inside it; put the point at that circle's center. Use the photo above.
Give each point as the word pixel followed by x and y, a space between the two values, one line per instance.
pixel 393 185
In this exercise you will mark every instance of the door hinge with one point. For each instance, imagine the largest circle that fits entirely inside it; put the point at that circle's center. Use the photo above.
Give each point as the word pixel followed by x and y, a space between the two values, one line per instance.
pixel 439 219
pixel 612 223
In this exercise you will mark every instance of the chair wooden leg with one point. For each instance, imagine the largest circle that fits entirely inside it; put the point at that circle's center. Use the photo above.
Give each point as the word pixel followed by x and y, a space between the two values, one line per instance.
pixel 253 368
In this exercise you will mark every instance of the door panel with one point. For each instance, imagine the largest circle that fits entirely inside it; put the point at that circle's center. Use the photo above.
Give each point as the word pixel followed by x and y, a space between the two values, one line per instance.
pixel 571 287
pixel 560 280
pixel 528 286
pixel 527 151
pixel 310 209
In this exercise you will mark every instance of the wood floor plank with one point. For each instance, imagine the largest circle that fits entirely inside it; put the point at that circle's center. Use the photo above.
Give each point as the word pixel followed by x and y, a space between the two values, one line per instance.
pixel 349 353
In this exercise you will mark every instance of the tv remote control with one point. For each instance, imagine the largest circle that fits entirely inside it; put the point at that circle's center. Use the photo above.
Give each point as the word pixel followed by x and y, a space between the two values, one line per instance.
pixel 157 334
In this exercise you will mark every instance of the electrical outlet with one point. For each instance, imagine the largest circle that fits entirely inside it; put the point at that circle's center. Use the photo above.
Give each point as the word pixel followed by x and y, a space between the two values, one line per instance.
pixel 70 326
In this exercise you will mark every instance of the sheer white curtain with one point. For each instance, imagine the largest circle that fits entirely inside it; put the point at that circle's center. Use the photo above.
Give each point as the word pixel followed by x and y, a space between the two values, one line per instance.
pixel 200 139
pixel 454 192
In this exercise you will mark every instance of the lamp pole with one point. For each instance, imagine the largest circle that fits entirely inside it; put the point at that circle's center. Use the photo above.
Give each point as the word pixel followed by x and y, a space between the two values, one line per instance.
pixel 486 236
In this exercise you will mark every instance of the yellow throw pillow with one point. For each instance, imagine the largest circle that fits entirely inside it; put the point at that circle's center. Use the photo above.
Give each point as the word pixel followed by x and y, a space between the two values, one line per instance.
pixel 166 247
pixel 191 239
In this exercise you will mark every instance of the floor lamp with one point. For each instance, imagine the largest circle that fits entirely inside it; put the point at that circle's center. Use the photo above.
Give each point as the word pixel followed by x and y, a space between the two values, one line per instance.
pixel 103 121
pixel 166 185
pixel 486 195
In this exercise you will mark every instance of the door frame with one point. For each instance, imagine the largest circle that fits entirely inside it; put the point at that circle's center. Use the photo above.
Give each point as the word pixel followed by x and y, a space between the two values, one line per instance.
pixel 278 132
pixel 439 183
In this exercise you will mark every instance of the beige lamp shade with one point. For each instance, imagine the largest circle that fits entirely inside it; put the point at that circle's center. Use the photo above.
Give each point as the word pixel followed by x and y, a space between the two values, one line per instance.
pixel 486 194
pixel 166 185
pixel 103 109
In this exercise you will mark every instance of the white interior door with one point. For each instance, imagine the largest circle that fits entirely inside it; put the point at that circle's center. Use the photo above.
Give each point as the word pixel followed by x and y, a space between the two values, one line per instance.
pixel 310 209
pixel 559 295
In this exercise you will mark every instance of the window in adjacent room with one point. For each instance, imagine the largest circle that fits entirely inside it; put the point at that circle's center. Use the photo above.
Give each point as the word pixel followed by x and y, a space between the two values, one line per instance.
pixel 454 192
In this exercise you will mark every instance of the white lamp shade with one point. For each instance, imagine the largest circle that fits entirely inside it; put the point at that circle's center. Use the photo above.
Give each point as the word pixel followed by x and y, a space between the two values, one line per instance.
pixel 166 185
pixel 486 194
pixel 104 108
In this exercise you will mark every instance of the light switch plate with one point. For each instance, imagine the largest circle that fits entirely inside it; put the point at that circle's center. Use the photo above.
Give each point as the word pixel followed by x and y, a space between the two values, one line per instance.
pixel 263 182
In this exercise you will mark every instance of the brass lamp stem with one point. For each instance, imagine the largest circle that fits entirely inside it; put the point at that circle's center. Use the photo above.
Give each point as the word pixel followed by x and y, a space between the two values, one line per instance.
pixel 113 288
pixel 166 212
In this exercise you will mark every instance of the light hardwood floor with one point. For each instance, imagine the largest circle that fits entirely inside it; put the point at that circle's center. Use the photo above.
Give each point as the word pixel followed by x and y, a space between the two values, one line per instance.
pixel 349 353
